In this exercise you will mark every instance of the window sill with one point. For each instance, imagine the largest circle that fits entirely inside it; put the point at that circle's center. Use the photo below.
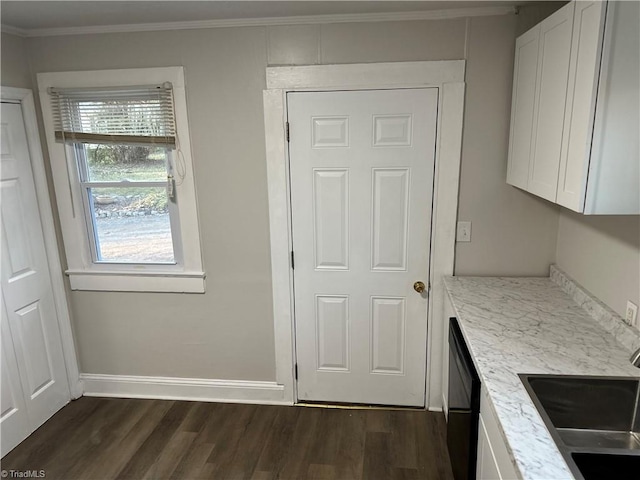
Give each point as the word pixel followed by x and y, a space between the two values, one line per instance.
pixel 166 282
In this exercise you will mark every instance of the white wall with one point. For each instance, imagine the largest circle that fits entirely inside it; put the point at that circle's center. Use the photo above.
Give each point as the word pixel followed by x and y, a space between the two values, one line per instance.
pixel 227 333
pixel 602 253
pixel 14 70
pixel 512 232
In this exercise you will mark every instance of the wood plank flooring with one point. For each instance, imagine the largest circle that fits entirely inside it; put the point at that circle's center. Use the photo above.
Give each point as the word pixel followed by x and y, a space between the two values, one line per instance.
pixel 100 438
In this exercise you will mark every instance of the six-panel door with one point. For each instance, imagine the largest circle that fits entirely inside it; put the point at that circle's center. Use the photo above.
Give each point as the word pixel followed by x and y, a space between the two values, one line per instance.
pixel 34 354
pixel 361 168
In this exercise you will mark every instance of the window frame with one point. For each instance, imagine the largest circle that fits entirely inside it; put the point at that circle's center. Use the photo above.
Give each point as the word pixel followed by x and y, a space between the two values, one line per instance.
pixel 86 185
pixel 187 274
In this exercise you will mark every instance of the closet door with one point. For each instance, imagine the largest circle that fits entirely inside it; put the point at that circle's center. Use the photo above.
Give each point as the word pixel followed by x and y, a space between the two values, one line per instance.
pixel 14 423
pixel 30 321
pixel 553 71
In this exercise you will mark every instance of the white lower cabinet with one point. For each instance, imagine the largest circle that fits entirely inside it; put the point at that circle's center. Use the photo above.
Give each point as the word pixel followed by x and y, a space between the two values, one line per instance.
pixel 487 465
pixel 493 461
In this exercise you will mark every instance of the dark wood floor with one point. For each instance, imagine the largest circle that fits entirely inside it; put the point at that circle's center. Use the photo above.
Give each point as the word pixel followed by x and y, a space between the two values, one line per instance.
pixel 99 438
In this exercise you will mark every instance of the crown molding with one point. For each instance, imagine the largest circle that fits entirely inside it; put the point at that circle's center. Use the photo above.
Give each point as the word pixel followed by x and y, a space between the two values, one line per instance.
pixel 267 21
pixel 20 32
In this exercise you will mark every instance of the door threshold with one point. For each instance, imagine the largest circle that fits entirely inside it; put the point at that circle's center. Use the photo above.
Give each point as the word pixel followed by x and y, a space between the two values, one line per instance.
pixel 357 406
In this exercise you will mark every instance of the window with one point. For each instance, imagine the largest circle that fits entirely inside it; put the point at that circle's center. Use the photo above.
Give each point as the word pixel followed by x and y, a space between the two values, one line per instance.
pixel 128 203
pixel 120 154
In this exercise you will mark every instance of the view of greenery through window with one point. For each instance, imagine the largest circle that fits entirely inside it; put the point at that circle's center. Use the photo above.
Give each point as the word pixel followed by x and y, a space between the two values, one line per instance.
pixel 131 223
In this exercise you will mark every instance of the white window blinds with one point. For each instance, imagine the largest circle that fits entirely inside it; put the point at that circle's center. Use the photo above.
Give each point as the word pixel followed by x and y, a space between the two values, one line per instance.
pixel 131 115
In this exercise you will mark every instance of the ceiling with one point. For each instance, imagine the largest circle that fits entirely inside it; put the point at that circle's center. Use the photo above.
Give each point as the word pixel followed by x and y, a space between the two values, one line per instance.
pixel 36 15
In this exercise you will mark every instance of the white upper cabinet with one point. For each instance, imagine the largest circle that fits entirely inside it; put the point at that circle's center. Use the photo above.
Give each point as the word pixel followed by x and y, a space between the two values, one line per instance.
pixel 581 149
pixel 580 106
pixel 523 98
pixel 553 69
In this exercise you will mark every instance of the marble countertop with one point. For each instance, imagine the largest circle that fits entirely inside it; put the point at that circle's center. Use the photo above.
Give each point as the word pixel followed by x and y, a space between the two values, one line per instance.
pixel 534 325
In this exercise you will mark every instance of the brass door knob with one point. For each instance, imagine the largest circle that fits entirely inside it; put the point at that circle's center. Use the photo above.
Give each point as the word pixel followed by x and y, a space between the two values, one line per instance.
pixel 419 287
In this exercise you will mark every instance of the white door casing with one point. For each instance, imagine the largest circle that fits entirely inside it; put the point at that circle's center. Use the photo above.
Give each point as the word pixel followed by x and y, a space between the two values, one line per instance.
pixel 361 167
pixel 26 282
pixel 448 78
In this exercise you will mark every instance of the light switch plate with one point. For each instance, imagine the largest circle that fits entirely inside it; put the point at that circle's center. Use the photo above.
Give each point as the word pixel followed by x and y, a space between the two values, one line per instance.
pixel 632 314
pixel 463 232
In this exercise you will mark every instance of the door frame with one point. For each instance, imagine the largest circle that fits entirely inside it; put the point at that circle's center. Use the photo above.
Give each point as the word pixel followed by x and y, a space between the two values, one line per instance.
pixel 448 77
pixel 24 97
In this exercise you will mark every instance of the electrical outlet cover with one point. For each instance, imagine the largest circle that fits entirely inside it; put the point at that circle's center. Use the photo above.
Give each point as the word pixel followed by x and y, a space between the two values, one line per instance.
pixel 463 232
pixel 632 314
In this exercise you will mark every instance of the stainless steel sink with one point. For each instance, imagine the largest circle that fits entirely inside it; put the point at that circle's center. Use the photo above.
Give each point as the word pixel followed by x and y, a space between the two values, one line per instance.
pixel 595 421
pixel 598 466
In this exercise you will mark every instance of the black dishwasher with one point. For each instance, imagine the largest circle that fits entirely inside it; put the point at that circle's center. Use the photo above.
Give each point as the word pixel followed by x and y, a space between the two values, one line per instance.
pixel 464 406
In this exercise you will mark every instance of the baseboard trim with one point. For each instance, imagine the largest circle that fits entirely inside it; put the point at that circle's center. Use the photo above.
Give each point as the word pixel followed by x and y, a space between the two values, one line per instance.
pixel 175 388
pixel 445 407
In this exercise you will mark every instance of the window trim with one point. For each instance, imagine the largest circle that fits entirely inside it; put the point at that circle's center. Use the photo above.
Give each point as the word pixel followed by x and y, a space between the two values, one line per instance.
pixel 85 274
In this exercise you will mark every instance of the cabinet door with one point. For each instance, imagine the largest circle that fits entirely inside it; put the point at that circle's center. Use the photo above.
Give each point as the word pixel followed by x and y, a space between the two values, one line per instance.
pixel 494 460
pixel 553 70
pixel 522 106
pixel 487 466
pixel 584 68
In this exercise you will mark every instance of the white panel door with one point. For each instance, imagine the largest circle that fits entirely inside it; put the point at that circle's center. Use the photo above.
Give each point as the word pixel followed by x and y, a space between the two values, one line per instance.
pixel 26 284
pixel 14 423
pixel 522 107
pixel 553 70
pixel 361 168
